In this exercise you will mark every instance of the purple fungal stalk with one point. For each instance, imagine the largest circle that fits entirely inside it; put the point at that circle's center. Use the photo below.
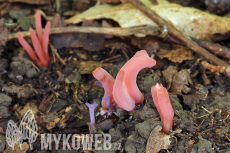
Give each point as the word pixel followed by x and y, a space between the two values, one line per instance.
pixel 111 107
pixel 98 83
pixel 91 110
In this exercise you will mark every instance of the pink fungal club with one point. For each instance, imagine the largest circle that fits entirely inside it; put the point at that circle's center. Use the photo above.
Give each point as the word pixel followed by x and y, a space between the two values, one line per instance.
pixel 40 42
pixel 107 81
pixel 91 110
pixel 125 90
pixel 162 102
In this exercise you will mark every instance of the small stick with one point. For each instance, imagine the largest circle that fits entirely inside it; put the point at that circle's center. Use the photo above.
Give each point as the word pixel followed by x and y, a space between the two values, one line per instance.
pixel 176 33
pixel 56 54
pixel 220 69
pixel 214 48
pixel 137 31
pixel 111 58
pixel 206 110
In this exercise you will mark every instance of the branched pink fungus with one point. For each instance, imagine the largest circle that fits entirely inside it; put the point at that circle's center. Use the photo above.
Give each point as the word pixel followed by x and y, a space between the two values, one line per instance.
pixel 162 102
pixel 107 82
pixel 125 90
pixel 40 42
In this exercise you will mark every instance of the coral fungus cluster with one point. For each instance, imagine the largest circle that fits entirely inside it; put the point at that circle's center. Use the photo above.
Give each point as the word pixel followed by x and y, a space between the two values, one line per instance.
pixel 124 90
pixel 124 93
pixel 40 42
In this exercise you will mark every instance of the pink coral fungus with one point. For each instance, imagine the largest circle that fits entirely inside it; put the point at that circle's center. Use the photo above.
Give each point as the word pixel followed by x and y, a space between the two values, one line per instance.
pixel 162 102
pixel 125 90
pixel 107 82
pixel 40 42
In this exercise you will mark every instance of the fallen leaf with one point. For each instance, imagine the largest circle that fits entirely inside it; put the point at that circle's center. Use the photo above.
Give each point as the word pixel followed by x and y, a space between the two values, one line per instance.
pixel 157 140
pixel 177 55
pixel 169 74
pixel 56 21
pixel 90 42
pixel 29 106
pixel 190 99
pixel 21 91
pixel 180 82
pixel 52 124
pixel 193 22
pixel 200 91
pixel 87 67
pixel 17 148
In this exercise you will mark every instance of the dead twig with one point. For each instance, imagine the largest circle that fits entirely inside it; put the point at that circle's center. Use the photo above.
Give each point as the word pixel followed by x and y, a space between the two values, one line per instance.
pixel 214 48
pixel 111 58
pixel 220 69
pixel 56 54
pixel 137 31
pixel 176 33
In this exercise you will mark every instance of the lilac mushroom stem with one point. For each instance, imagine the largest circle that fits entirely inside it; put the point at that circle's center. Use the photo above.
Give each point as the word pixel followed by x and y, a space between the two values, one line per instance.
pixel 91 110
pixel 111 107
pixel 98 83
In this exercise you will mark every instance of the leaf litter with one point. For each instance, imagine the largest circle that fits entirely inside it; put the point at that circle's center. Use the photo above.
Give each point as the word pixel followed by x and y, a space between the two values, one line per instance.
pixel 191 21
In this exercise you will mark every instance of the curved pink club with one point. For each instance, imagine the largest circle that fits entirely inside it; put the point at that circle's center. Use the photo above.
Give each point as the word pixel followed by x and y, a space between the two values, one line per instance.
pixel 162 102
pixel 125 91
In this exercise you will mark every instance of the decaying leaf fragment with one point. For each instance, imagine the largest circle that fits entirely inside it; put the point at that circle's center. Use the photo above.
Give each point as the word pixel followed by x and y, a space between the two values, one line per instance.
pixel 29 106
pixel 177 55
pixel 198 93
pixel 180 82
pixel 21 91
pixel 18 148
pixel 193 22
pixel 89 41
pixel 157 140
pixel 68 112
pixel 52 124
pixel 169 74
pixel 87 67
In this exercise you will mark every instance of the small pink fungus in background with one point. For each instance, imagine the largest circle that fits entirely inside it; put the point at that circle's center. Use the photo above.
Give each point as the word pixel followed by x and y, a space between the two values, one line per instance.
pixel 162 102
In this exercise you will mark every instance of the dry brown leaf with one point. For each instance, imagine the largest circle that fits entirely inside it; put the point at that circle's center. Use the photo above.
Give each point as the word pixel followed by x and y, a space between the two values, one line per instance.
pixel 190 99
pixel 169 74
pixel 87 67
pixel 193 22
pixel 21 91
pixel 180 82
pixel 177 55
pixel 52 124
pixel 89 41
pixel 17 148
pixel 29 106
pixel 157 140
